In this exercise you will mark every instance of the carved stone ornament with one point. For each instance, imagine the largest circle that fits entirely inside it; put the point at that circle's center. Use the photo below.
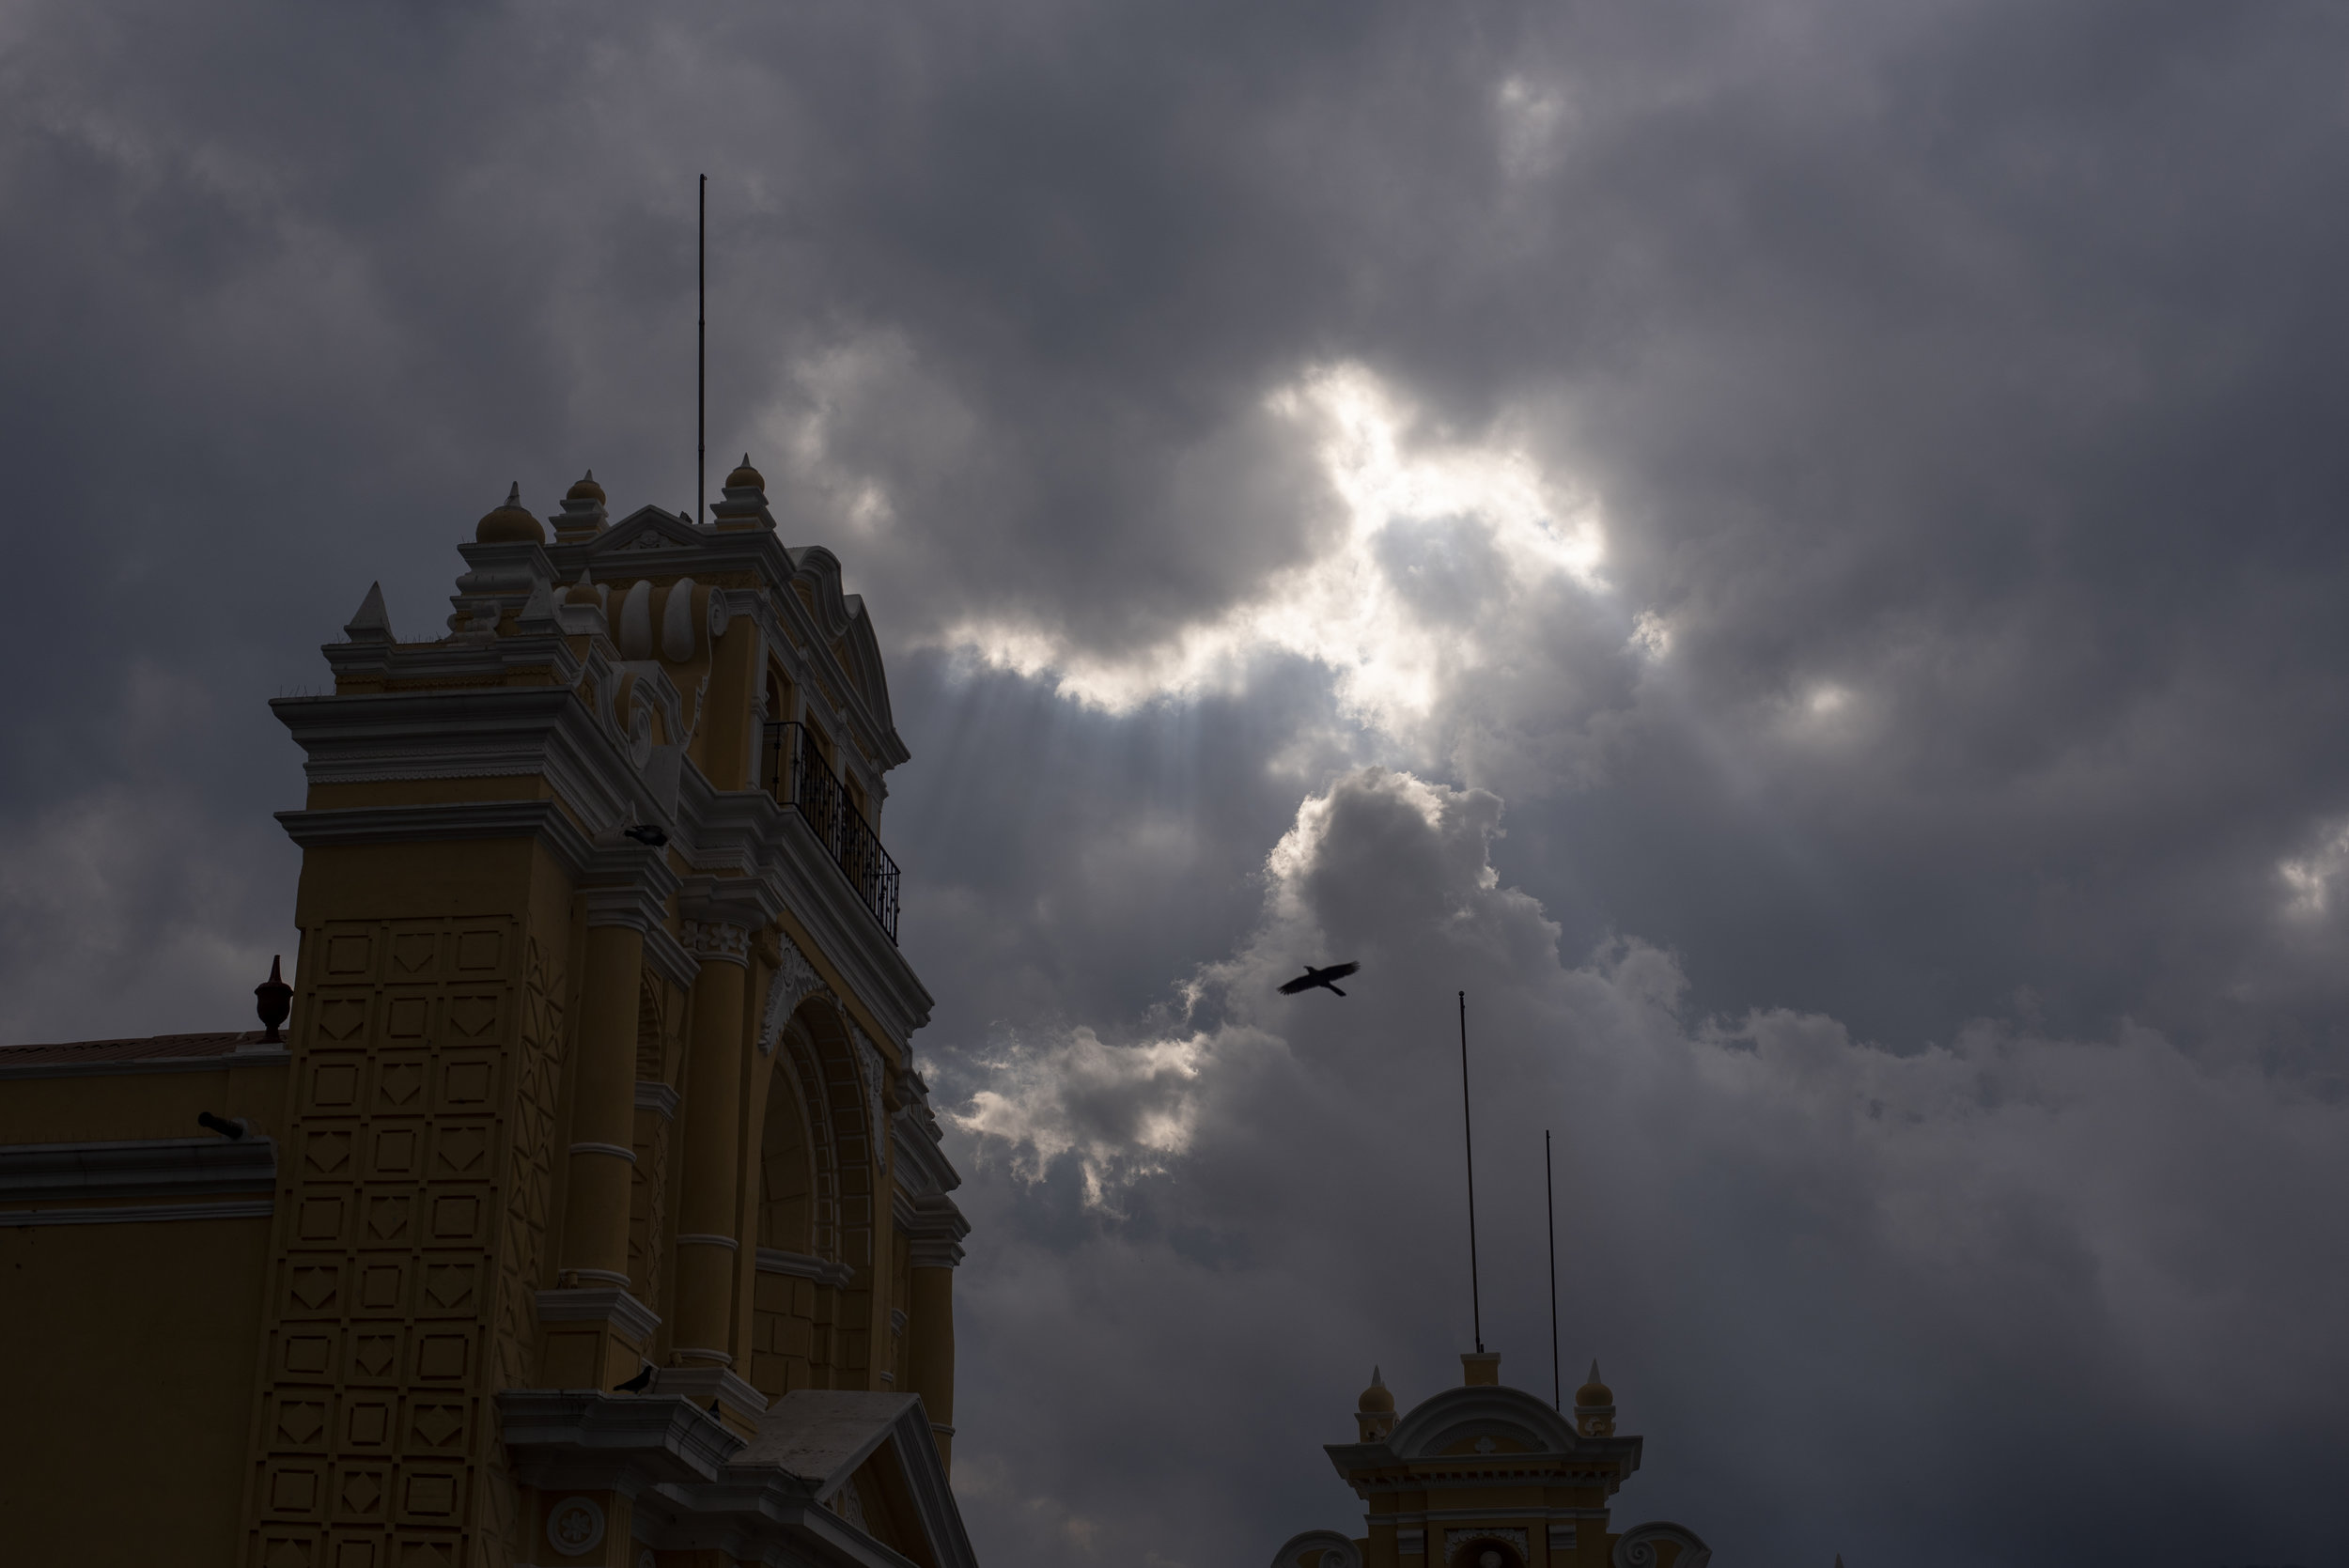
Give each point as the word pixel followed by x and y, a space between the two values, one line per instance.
pixel 712 939
pixel 575 1526
pixel 869 1067
pixel 795 980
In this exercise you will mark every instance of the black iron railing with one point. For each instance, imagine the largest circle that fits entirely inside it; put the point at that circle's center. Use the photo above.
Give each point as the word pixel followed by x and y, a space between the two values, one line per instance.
pixel 795 770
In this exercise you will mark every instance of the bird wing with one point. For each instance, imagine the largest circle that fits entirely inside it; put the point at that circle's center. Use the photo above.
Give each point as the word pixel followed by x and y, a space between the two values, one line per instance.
pixel 1339 972
pixel 1302 983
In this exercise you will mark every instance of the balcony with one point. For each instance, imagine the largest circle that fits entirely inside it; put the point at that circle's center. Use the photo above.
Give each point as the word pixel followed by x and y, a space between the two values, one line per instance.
pixel 796 772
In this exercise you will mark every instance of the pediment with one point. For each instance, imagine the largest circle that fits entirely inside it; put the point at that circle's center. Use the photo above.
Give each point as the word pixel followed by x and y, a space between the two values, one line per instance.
pixel 1457 1421
pixel 870 1458
pixel 647 528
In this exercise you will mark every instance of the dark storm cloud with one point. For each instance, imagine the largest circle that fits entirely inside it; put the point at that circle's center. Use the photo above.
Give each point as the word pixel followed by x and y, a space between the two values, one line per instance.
pixel 1955 389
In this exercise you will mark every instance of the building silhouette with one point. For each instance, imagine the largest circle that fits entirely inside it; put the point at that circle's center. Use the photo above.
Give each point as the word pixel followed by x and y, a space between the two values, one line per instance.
pixel 1485 1476
pixel 587 1209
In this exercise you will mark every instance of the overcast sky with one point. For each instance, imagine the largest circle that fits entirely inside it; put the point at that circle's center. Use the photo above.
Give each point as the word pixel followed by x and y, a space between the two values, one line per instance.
pixel 1793 551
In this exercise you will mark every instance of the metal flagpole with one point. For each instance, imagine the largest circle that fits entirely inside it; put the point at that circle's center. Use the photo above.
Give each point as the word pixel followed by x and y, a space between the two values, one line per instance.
pixel 1467 1127
pixel 1549 1192
pixel 701 353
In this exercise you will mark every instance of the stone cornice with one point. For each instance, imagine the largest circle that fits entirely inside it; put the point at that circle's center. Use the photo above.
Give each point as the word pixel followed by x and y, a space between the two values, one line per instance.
pixel 429 824
pixel 614 1306
pixel 628 884
pixel 477 732
pixel 921 1165
pixel 798 1266
pixel 587 1439
pixel 137 1168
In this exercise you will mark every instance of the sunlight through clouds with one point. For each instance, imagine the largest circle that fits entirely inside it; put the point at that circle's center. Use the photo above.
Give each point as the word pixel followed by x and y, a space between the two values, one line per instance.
pixel 1446 554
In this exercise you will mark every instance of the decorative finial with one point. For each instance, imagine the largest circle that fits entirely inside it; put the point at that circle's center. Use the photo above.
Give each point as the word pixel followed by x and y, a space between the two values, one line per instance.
pixel 1594 1378
pixel 1376 1381
pixel 514 494
pixel 372 623
pixel 275 1001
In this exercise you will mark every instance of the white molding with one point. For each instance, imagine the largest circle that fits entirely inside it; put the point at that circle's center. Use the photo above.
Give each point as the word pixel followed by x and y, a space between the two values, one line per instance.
pixel 704 1239
pixel 267 1056
pixel 702 1384
pixel 921 1165
pixel 138 1213
pixel 657 1096
pixel 543 820
pixel 589 1439
pixel 611 1149
pixel 137 1168
pixel 615 1306
pixel 798 1266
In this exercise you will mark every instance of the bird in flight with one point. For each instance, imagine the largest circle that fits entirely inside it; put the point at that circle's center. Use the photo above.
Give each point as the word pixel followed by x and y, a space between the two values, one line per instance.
pixel 1323 978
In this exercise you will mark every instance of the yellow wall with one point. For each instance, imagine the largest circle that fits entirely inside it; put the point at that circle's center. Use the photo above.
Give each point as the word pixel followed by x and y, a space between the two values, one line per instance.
pixel 131 1353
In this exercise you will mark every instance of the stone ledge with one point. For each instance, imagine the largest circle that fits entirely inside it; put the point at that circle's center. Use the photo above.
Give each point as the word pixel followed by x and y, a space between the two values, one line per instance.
pixel 590 1441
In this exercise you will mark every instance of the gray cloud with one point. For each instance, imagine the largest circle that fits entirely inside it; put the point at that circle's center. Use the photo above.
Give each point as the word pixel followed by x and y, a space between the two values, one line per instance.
pixel 1953 708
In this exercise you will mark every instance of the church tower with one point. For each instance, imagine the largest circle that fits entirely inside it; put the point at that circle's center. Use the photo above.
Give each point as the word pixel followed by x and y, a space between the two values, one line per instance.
pixel 594 1213
pixel 1485 1476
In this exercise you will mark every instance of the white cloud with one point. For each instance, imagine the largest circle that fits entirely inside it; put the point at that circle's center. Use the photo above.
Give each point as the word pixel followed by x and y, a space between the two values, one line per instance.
pixel 1447 552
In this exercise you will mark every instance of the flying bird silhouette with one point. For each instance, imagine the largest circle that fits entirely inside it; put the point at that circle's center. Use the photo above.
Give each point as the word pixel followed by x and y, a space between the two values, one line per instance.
pixel 646 834
pixel 637 1383
pixel 1322 978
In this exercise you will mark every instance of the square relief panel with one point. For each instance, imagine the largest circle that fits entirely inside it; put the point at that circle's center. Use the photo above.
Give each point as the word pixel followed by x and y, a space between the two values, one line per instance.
pixel 480 950
pixel 407 1018
pixel 468 1081
pixel 367 1420
pixel 380 1285
pixel 400 1079
pixel 394 1149
pixel 305 1352
pixel 435 1426
pixel 443 1357
pixel 415 954
pixel 430 1494
pixel 361 1491
pixel 302 1422
pixel 460 1151
pixel 451 1287
pixel 293 1488
pixel 375 1354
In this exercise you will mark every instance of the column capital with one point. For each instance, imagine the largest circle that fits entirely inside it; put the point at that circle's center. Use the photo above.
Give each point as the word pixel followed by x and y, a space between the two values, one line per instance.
pixel 628 884
pixel 716 940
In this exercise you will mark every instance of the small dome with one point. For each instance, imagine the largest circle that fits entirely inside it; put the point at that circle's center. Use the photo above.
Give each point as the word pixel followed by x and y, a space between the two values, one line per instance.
pixel 510 523
pixel 745 477
pixel 582 591
pixel 1594 1391
pixel 585 489
pixel 1376 1401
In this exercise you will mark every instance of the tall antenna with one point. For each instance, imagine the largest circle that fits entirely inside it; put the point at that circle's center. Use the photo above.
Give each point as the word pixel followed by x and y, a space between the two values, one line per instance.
pixel 1549 1195
pixel 701 353
pixel 1468 1127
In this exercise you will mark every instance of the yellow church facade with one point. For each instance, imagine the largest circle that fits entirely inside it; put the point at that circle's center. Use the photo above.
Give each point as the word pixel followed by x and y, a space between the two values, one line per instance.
pixel 587 1207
